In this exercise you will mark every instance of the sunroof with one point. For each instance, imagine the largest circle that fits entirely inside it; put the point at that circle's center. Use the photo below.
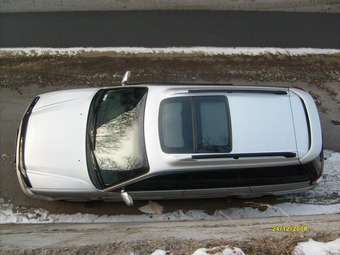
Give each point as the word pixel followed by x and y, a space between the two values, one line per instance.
pixel 195 124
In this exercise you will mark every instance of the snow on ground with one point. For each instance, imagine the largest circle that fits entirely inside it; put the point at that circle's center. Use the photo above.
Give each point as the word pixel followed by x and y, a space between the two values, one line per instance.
pixel 159 252
pixel 309 247
pixel 312 247
pixel 225 250
pixel 208 51
pixel 327 192
pixel 219 250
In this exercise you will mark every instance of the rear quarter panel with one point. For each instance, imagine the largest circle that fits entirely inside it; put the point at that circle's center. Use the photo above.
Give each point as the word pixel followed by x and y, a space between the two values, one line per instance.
pixel 315 146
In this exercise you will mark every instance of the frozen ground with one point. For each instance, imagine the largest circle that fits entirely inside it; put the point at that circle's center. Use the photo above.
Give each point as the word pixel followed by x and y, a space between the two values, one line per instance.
pixel 253 236
pixel 328 190
pixel 21 78
pixel 222 250
pixel 206 51
pixel 310 247
pixel 324 199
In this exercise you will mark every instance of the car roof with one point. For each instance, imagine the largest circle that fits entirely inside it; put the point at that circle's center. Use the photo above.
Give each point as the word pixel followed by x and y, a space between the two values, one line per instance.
pixel 207 87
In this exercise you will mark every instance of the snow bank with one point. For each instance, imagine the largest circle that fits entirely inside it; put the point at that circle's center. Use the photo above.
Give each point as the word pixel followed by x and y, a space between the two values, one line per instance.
pixel 207 51
pixel 312 247
pixel 330 182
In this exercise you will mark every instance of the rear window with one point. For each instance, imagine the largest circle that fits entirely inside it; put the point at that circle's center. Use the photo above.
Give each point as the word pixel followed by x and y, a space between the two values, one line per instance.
pixel 197 124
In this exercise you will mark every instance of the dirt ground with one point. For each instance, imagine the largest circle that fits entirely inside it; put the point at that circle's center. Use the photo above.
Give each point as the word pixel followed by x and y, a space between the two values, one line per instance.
pixel 104 69
pixel 21 78
pixel 253 236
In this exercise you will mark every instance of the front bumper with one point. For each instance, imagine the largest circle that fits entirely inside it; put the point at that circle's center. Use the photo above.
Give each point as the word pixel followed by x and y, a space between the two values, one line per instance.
pixel 20 160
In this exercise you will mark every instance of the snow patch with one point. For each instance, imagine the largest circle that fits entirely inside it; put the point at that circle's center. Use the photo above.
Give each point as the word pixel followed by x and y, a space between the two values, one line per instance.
pixel 312 247
pixel 282 209
pixel 328 189
pixel 219 250
pixel 159 252
pixel 223 250
pixel 206 51
pixel 11 214
pixel 309 247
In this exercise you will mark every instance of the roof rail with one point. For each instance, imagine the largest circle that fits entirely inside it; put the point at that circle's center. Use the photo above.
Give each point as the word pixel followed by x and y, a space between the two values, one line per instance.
pixel 263 90
pixel 240 90
pixel 127 75
pixel 178 83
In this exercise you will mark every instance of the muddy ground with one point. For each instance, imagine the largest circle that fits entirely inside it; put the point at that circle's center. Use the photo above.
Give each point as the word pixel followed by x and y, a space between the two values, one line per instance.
pixel 21 78
pixel 106 69
pixel 253 236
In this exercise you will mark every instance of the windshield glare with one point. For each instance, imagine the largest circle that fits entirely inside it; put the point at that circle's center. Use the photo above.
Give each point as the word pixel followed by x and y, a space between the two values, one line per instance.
pixel 118 134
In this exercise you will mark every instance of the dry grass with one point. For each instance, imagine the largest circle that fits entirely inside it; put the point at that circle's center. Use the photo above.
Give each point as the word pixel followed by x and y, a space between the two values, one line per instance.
pixel 281 246
pixel 272 246
pixel 262 246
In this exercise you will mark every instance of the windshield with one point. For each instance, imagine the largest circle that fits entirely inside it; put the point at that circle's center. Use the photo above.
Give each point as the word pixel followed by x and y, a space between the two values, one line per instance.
pixel 116 149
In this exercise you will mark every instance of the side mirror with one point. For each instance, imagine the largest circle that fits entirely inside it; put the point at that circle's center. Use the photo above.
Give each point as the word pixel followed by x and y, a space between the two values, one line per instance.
pixel 126 78
pixel 126 198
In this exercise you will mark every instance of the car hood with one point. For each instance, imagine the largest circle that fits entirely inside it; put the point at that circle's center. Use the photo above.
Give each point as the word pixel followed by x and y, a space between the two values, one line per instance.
pixel 55 141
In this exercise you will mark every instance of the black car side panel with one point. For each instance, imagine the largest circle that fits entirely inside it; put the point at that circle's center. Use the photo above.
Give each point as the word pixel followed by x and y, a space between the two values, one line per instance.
pixel 225 178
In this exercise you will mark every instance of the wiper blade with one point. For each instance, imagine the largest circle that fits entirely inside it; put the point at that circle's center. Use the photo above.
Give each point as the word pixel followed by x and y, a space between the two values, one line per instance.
pixel 95 166
pixel 93 157
pixel 93 130
pixel 94 160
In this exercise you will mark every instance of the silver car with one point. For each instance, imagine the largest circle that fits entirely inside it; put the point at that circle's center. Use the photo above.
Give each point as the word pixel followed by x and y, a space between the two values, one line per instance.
pixel 165 141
